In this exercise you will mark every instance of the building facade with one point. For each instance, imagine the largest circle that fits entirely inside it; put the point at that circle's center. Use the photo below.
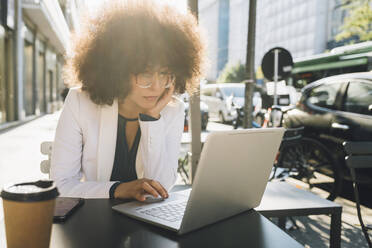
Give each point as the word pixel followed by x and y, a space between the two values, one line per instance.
pixel 208 20
pixel 300 26
pixel 34 36
pixel 238 31
pixel 304 27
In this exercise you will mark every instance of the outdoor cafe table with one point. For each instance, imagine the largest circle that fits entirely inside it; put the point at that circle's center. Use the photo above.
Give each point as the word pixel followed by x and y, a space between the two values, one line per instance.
pixel 95 224
pixel 283 200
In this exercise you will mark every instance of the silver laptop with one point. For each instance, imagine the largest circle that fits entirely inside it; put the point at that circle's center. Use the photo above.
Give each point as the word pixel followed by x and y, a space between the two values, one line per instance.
pixel 232 174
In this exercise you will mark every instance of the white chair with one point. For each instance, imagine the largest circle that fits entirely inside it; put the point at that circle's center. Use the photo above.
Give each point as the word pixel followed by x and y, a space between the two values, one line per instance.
pixel 46 148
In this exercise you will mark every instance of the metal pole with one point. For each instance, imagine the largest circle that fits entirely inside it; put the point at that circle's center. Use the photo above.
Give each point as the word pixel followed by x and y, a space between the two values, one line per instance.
pixel 195 117
pixel 248 108
pixel 276 58
pixel 249 65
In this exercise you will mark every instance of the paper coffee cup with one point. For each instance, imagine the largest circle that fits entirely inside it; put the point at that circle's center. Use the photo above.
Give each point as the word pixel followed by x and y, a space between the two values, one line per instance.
pixel 28 213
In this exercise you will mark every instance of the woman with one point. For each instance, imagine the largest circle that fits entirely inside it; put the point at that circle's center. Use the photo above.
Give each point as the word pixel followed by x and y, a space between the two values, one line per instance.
pixel 119 133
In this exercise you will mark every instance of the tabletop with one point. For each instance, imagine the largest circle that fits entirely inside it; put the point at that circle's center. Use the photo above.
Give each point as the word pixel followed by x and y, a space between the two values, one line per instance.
pixel 96 225
pixel 281 196
pixel 282 200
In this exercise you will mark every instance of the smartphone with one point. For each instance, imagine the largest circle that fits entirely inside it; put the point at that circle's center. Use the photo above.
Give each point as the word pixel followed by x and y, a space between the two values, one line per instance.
pixel 65 206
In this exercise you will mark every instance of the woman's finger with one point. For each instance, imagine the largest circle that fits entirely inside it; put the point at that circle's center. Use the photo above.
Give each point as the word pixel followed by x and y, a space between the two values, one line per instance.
pixel 150 190
pixel 159 188
pixel 166 98
pixel 162 102
pixel 170 91
pixel 140 196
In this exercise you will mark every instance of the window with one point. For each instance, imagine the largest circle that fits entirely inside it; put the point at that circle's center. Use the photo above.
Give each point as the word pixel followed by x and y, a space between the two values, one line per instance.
pixel 359 98
pixel 324 95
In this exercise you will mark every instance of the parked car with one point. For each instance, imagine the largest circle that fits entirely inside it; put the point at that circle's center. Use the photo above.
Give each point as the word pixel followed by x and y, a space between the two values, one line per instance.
pixel 333 110
pixel 219 98
pixel 224 99
pixel 203 111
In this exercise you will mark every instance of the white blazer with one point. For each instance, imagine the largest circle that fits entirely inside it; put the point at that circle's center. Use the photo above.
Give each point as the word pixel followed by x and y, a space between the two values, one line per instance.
pixel 85 140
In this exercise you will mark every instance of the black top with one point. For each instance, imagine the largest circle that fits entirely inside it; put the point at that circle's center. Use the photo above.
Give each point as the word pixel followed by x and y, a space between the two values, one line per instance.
pixel 124 169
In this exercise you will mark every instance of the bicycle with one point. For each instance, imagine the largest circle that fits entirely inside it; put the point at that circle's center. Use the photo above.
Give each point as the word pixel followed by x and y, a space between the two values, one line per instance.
pixel 304 158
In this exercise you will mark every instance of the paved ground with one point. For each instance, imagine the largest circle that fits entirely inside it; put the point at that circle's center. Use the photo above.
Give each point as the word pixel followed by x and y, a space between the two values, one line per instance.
pixel 20 154
pixel 313 231
pixel 20 159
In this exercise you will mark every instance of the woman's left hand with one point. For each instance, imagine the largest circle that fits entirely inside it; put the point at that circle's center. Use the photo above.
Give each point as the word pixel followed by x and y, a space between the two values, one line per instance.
pixel 162 102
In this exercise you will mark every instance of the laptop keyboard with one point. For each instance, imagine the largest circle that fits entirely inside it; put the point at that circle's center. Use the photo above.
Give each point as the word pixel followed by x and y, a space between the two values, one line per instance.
pixel 170 212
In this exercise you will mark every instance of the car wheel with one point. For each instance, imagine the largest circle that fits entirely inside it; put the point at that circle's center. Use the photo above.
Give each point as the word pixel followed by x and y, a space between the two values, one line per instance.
pixel 313 163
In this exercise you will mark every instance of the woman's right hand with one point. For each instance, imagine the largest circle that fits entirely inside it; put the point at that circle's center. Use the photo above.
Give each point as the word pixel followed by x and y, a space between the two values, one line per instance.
pixel 138 189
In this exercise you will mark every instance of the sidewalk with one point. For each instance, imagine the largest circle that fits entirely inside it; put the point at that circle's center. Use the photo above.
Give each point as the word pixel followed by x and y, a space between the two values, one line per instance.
pixel 313 230
pixel 20 154
pixel 20 159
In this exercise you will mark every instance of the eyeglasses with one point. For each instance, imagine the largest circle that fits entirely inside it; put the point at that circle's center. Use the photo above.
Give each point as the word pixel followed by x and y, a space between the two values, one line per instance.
pixel 144 80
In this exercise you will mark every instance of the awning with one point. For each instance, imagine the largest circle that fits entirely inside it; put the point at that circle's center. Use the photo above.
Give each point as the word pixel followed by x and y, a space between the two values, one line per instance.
pixel 331 65
pixel 48 17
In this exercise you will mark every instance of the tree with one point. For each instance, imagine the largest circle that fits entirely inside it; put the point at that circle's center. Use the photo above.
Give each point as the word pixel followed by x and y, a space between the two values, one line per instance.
pixel 232 74
pixel 358 21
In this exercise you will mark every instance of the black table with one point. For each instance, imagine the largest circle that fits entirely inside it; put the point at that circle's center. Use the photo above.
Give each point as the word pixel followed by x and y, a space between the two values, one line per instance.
pixel 283 200
pixel 96 225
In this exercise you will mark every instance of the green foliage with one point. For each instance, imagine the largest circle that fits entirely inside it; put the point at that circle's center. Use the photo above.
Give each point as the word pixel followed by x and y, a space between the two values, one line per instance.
pixel 232 74
pixel 358 21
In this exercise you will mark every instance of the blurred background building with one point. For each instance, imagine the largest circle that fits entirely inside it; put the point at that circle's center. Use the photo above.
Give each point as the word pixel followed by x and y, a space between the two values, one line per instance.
pixel 303 27
pixel 34 36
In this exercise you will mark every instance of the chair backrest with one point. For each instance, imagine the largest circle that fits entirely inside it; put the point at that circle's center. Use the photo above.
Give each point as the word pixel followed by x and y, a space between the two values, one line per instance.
pixel 359 154
pixel 46 148
pixel 292 136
